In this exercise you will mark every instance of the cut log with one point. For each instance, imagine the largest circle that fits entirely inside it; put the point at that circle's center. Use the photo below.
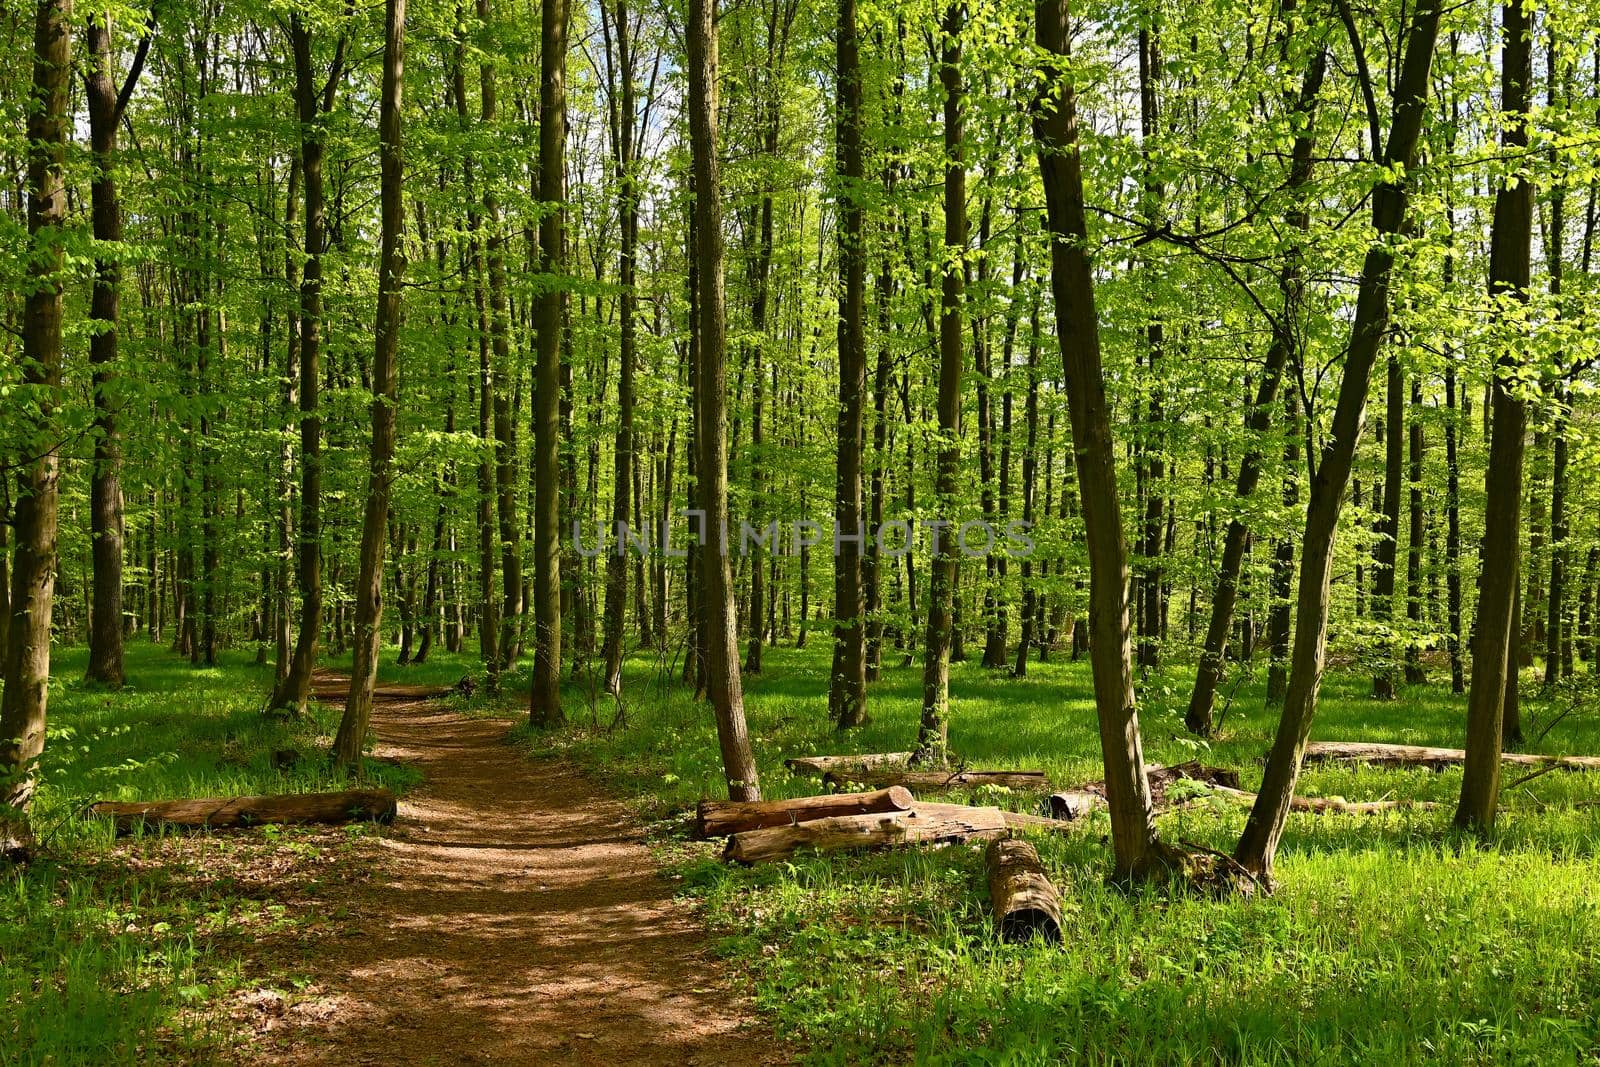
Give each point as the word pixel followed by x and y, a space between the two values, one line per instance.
pixel 1434 758
pixel 1332 805
pixel 920 825
pixel 821 765
pixel 1015 820
pixel 717 818
pixel 1075 804
pixel 218 813
pixel 934 781
pixel 1026 904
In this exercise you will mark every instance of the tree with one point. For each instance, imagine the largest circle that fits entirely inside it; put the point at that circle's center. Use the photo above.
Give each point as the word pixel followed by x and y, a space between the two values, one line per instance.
pixel 107 104
pixel 1259 842
pixel 1138 852
pixel 545 698
pixel 1511 238
pixel 312 103
pixel 847 690
pixel 24 701
pixel 385 396
pixel 717 605
pixel 933 732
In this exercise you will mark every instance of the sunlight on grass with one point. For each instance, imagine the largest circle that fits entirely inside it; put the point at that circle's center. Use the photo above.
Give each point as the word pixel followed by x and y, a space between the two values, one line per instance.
pixel 1390 939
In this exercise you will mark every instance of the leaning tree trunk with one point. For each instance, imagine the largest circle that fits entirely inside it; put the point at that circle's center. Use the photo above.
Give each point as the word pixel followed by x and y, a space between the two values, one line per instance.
pixel 717 603
pixel 847 688
pixel 1259 842
pixel 1138 852
pixel 545 698
pixel 33 561
pixel 1285 332
pixel 385 397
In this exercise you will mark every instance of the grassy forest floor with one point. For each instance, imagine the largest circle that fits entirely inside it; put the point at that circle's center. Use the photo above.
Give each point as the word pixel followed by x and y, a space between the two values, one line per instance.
pixel 1389 936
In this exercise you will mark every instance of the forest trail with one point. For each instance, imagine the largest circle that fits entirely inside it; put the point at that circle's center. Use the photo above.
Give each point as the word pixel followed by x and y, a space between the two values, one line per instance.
pixel 519 918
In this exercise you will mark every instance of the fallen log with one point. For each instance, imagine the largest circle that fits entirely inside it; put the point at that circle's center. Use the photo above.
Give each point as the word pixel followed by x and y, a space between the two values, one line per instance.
pixel 1026 904
pixel 718 818
pixel 1015 820
pixel 920 825
pixel 219 813
pixel 1332 805
pixel 1091 796
pixel 1074 804
pixel 1434 758
pixel 821 765
pixel 934 780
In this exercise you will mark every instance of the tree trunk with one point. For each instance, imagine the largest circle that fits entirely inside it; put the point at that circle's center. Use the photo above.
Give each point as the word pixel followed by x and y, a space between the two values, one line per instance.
pixel 622 131
pixel 106 105
pixel 1493 649
pixel 545 698
pixel 1138 852
pixel 722 646
pixel 296 687
pixel 933 732
pixel 847 689
pixel 27 653
pixel 352 734
pixel 1281 352
pixel 1383 578
pixel 1259 842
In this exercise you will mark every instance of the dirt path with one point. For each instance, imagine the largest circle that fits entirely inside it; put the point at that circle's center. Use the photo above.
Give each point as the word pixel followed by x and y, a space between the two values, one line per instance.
pixel 519 919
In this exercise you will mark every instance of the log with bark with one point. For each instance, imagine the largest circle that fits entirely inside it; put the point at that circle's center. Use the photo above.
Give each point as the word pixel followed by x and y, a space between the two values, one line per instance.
pixel 821 765
pixel 1432 758
pixel 934 780
pixel 1026 904
pixel 217 813
pixel 921 825
pixel 717 818
pixel 1091 796
pixel 1332 805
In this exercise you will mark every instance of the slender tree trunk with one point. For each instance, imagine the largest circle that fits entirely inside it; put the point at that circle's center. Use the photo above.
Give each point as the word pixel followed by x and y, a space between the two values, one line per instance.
pixel 1281 352
pixel 1415 675
pixel 1283 558
pixel 933 732
pixel 1259 843
pixel 847 689
pixel 27 653
pixel 1138 852
pixel 1384 554
pixel 622 130
pixel 289 402
pixel 1030 467
pixel 545 699
pixel 1493 648
pixel 352 734
pixel 296 688
pixel 1452 543
pixel 722 650
pixel 106 104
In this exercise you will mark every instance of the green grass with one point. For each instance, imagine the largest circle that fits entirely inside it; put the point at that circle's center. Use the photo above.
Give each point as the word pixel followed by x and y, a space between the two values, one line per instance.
pixel 113 954
pixel 1390 938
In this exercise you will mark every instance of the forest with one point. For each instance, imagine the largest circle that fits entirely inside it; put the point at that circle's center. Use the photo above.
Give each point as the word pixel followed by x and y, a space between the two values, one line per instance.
pixel 751 531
